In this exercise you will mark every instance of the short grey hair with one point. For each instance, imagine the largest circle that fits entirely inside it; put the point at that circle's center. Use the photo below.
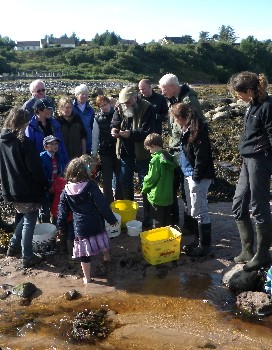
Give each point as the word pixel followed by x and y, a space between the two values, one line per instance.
pixel 34 83
pixel 169 79
pixel 81 89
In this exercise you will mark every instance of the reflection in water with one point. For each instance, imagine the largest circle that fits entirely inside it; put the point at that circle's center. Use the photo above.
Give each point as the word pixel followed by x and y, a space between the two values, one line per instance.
pixel 167 299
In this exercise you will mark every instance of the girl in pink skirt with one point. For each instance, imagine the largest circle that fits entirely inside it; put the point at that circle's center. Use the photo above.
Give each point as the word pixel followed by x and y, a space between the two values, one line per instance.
pixel 90 209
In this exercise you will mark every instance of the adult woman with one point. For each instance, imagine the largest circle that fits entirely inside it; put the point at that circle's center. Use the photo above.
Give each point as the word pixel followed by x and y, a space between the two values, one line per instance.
pixel 198 169
pixel 82 107
pixel 104 144
pixel 254 181
pixel 23 182
pixel 73 131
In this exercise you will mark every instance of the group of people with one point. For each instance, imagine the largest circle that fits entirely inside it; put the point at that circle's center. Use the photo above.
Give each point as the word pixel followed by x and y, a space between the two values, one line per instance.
pixel 41 144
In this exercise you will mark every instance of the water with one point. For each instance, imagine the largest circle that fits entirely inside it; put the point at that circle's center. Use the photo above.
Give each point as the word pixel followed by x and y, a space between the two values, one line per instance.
pixel 177 306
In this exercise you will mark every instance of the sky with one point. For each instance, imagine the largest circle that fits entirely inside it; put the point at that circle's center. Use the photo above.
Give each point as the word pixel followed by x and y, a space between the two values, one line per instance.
pixel 140 20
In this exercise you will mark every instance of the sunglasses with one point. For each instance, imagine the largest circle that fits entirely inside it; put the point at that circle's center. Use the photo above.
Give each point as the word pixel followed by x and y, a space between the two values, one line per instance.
pixel 40 90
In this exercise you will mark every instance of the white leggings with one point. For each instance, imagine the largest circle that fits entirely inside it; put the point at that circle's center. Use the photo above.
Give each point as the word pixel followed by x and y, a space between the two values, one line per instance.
pixel 196 197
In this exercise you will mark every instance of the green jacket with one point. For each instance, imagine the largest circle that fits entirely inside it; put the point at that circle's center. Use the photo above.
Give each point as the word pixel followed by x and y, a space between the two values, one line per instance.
pixel 158 183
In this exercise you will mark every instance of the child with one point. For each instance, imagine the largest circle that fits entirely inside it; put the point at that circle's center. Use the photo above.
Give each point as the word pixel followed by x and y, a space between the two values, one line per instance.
pixel 53 167
pixel 158 183
pixel 67 240
pixel 198 169
pixel 90 209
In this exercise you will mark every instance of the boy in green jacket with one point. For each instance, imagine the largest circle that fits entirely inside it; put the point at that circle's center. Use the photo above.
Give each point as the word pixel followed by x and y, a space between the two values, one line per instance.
pixel 158 183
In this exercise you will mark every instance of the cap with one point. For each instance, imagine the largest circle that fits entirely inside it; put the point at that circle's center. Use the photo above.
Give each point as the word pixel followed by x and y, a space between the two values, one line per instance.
pixel 42 103
pixel 49 139
pixel 126 93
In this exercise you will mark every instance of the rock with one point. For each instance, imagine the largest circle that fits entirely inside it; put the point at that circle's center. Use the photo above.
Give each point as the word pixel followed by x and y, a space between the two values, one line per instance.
pixel 256 303
pixel 24 290
pixel 71 294
pixel 239 280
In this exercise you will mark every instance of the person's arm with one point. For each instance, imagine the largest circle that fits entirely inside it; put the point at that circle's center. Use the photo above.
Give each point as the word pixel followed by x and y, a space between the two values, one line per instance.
pixel 95 138
pixel 151 179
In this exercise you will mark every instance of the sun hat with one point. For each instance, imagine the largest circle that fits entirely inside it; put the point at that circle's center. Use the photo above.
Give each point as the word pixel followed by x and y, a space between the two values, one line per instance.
pixel 126 93
pixel 49 139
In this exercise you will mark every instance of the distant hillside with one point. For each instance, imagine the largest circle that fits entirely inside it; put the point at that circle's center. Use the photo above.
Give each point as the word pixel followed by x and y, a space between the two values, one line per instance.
pixel 204 62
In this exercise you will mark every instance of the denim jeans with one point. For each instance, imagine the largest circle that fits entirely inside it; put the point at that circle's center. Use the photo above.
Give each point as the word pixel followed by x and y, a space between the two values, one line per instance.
pixel 23 233
pixel 196 197
pixel 128 167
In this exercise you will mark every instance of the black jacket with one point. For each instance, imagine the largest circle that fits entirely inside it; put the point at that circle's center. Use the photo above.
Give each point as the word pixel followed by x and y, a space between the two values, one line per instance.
pixel 257 133
pixel 199 153
pixel 140 125
pixel 159 103
pixel 22 176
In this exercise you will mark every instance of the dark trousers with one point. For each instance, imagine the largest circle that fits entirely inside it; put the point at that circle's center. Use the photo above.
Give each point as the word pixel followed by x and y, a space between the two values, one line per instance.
pixel 111 165
pixel 162 215
pixel 253 189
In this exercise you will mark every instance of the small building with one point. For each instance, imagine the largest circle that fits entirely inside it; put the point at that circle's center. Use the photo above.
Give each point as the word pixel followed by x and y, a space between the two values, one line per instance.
pixel 171 40
pixel 27 45
pixel 58 42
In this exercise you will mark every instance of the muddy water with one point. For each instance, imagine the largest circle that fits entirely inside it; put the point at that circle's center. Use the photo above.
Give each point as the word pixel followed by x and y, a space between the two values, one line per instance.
pixel 176 310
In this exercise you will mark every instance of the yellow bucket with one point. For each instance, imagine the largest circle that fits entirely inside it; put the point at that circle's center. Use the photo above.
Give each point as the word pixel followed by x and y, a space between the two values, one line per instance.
pixel 127 209
pixel 161 245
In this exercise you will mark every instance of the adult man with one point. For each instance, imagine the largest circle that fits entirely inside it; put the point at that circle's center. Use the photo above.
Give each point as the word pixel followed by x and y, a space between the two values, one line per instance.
pixel 37 90
pixel 132 121
pixel 158 101
pixel 174 92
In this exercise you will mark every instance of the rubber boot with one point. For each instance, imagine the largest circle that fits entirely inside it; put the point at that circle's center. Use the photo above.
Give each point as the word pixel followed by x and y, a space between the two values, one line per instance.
pixel 188 224
pixel 246 233
pixel 188 247
pixel 204 245
pixel 262 257
pixel 128 193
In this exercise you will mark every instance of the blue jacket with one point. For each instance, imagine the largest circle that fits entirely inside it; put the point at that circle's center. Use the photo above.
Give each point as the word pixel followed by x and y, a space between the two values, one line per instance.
pixel 35 133
pixel 87 117
pixel 90 210
pixel 46 158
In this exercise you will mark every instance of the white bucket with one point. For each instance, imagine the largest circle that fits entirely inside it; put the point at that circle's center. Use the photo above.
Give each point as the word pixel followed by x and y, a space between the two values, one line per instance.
pixel 44 237
pixel 134 227
pixel 114 231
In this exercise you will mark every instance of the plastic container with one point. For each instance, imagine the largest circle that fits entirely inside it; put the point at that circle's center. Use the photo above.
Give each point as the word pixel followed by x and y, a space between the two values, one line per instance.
pixel 134 228
pixel 44 238
pixel 114 231
pixel 161 245
pixel 127 209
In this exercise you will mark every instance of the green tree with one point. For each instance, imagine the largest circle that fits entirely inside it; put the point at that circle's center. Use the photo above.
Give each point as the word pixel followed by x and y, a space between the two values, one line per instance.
pixel 227 34
pixel 204 36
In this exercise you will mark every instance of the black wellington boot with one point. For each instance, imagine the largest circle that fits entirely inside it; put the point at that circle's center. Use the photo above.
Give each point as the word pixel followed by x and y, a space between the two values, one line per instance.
pixel 204 245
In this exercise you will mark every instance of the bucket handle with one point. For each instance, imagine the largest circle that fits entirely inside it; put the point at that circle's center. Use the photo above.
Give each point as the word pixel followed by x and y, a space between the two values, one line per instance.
pixel 176 227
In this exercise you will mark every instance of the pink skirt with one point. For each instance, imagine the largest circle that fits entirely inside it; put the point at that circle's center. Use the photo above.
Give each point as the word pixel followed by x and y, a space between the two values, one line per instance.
pixel 91 245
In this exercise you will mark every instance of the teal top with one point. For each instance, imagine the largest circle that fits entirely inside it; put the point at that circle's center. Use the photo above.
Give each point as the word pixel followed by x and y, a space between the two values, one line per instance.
pixel 158 183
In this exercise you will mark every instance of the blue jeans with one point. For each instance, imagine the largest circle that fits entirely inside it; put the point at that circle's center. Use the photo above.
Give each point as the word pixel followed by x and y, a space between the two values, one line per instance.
pixel 128 166
pixel 23 233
